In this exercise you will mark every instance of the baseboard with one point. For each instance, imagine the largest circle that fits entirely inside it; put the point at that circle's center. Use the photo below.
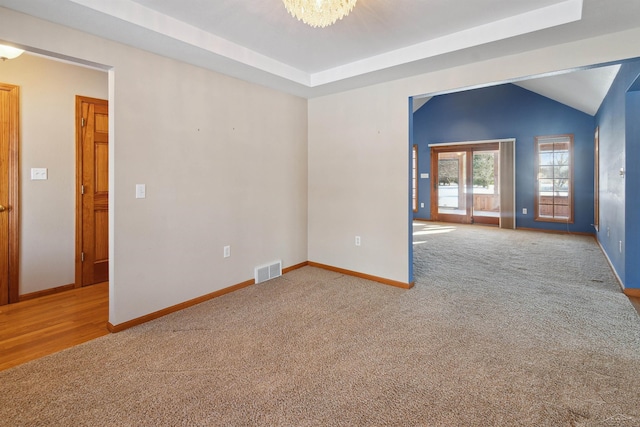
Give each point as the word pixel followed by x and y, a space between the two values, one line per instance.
pixel 294 267
pixel 157 314
pixel 151 316
pixel 542 230
pixel 632 292
pixel 160 313
pixel 362 275
pixel 46 292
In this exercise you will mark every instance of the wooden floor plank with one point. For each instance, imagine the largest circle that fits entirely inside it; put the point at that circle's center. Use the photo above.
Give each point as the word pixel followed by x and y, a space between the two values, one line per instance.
pixel 46 325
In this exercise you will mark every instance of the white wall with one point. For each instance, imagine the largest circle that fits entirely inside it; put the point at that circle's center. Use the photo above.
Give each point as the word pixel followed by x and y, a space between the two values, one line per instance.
pixel 47 138
pixel 224 161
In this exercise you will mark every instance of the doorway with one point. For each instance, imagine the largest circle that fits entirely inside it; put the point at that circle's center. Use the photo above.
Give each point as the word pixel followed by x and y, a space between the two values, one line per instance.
pixel 466 183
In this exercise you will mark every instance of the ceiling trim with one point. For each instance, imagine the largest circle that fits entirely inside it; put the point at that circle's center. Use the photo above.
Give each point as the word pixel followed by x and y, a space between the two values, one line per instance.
pixel 564 12
pixel 528 22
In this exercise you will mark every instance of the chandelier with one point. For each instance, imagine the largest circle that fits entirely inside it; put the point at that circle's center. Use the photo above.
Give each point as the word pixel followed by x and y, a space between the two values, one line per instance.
pixel 319 13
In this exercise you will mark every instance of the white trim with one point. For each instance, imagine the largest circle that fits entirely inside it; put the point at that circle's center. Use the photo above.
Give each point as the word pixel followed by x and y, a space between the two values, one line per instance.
pixel 484 141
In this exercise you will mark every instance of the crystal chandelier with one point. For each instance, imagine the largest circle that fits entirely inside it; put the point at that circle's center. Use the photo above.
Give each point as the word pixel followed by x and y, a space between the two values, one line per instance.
pixel 319 13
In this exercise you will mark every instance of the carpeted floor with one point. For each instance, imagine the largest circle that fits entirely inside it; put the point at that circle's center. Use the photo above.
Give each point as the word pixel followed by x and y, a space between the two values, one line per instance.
pixel 503 328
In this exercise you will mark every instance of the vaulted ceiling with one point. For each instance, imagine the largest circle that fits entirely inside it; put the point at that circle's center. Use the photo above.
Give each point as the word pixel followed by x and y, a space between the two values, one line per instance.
pixel 258 41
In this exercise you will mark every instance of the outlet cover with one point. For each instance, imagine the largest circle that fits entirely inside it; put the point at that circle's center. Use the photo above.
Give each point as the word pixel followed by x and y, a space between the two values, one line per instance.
pixel 38 174
pixel 141 191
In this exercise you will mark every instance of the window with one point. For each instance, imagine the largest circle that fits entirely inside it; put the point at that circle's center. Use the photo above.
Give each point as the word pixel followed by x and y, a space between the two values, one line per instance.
pixel 554 178
pixel 414 177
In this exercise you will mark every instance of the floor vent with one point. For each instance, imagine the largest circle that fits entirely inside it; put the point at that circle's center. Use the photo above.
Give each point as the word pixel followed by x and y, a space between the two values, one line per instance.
pixel 268 271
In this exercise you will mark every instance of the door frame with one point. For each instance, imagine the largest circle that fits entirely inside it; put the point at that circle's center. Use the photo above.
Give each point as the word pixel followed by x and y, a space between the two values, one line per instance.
pixel 10 292
pixel 469 148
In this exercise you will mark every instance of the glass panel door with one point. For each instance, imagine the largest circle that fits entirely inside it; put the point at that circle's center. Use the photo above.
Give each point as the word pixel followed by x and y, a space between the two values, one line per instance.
pixel 452 178
pixel 486 186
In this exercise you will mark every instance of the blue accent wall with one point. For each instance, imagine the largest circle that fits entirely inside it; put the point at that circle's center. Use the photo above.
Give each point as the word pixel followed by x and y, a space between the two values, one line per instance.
pixel 631 243
pixel 619 127
pixel 509 111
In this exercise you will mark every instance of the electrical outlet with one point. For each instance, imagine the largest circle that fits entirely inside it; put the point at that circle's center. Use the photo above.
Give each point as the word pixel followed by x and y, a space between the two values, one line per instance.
pixel 422 205
pixel 357 240
pixel 227 251
pixel 524 211
pixel 141 191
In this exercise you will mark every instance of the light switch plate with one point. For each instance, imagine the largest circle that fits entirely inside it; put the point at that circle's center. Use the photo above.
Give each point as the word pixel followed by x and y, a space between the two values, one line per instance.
pixel 38 174
pixel 141 191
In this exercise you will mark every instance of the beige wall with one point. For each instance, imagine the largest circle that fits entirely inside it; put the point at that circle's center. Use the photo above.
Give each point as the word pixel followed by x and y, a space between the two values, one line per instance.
pixel 225 162
pixel 47 217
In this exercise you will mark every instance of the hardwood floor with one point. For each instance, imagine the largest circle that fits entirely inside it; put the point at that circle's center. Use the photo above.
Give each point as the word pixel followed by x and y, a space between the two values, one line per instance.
pixel 46 325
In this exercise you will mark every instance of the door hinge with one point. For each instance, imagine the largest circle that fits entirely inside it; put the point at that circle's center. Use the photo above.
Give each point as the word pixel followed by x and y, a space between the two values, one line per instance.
pixel 82 257
pixel 83 123
pixel 82 189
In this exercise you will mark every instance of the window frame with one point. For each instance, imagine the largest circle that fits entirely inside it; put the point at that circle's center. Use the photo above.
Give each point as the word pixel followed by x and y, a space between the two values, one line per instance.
pixel 537 215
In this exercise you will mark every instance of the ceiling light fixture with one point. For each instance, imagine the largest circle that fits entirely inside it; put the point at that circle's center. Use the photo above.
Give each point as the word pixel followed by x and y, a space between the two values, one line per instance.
pixel 9 52
pixel 319 13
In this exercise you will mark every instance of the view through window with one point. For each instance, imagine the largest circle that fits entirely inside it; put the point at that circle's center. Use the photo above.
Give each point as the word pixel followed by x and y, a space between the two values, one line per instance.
pixel 554 178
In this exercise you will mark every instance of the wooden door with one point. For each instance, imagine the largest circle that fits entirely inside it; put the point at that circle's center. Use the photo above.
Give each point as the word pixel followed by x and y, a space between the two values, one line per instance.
pixel 9 215
pixel 92 240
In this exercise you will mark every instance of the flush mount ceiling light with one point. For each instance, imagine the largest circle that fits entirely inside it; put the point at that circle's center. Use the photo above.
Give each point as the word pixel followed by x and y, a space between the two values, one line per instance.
pixel 8 52
pixel 319 13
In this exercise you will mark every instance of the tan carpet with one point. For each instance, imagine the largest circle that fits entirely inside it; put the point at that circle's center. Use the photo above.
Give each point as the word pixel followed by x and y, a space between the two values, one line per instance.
pixel 503 328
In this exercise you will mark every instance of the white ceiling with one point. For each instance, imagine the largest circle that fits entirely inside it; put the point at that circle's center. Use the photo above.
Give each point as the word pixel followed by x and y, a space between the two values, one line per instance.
pixel 258 41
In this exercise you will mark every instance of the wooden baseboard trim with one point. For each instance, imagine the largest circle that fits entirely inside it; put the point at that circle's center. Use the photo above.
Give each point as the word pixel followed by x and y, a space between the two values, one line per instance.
pixel 152 316
pixel 157 314
pixel 632 292
pixel 294 267
pixel 46 292
pixel 363 276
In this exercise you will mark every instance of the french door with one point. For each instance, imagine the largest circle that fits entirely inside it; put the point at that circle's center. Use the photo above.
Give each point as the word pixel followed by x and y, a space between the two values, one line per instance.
pixel 466 183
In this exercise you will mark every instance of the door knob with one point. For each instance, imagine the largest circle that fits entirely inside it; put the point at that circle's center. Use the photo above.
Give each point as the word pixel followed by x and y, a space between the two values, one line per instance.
pixel 2 208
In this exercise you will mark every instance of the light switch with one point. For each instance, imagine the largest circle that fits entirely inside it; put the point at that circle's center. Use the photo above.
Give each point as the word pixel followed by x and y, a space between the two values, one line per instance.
pixel 38 174
pixel 141 191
